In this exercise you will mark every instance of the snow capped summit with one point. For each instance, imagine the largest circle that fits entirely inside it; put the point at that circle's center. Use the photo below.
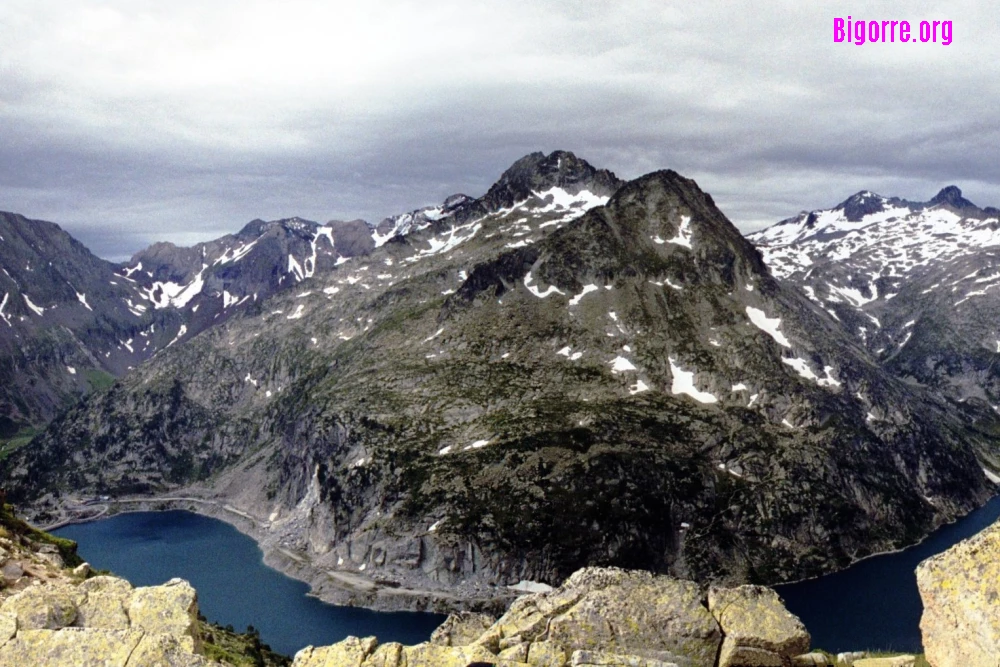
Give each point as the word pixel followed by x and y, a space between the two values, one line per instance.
pixel 916 283
pixel 887 237
pixel 952 196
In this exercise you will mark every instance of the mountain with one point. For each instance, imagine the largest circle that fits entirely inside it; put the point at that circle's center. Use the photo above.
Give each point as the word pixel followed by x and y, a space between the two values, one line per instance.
pixel 73 322
pixel 67 319
pixel 914 283
pixel 568 371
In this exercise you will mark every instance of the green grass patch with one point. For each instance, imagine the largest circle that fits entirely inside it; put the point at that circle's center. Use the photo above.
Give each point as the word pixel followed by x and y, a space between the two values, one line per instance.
pixel 240 649
pixel 98 379
pixel 67 548
pixel 20 439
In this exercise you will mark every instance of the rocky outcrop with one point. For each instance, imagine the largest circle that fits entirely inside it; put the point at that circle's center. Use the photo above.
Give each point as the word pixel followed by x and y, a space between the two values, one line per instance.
pixel 960 589
pixel 758 629
pixel 462 628
pixel 601 617
pixel 102 621
pixel 608 609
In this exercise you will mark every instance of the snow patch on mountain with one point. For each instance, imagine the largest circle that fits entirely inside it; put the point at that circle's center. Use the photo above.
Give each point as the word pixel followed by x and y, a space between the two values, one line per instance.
pixel 587 289
pixel 3 304
pixel 180 334
pixel 683 383
pixel 38 310
pixel 552 289
pixel 621 365
pixel 683 237
pixel 801 367
pixel 769 325
pixel 82 298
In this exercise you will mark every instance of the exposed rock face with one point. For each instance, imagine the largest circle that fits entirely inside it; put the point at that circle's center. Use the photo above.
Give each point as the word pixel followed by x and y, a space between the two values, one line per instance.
pixel 607 609
pixel 61 308
pixel 602 617
pixel 758 629
pixel 350 652
pixel 101 622
pixel 960 589
pixel 602 659
pixel 461 629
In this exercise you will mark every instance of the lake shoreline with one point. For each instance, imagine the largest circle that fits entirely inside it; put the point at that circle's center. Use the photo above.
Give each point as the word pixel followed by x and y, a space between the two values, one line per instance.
pixel 889 552
pixel 340 588
pixel 350 588
pixel 235 587
pixel 286 562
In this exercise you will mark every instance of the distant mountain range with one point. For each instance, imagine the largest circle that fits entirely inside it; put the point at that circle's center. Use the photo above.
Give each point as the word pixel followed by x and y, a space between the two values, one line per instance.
pixel 569 370
pixel 916 283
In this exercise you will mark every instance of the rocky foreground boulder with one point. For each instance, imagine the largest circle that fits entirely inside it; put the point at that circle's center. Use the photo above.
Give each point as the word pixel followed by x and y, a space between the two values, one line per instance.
pixel 601 617
pixel 960 589
pixel 101 622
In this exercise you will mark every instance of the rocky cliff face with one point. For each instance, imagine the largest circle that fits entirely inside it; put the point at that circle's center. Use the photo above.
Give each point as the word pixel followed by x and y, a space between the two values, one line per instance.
pixel 102 621
pixel 62 312
pixel 519 385
pixel 72 322
pixel 915 283
pixel 960 588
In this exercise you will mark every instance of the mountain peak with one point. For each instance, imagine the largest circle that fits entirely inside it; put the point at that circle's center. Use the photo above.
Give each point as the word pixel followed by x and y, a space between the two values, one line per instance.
pixel 952 196
pixel 257 227
pixel 538 172
pixel 860 204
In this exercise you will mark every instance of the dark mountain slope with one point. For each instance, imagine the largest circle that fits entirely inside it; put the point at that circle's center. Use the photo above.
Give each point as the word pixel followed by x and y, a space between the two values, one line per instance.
pixel 516 395
pixel 65 317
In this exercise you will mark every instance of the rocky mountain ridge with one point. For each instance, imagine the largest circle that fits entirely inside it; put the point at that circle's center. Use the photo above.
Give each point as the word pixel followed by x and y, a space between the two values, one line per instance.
pixel 623 365
pixel 74 321
pixel 63 311
pixel 911 282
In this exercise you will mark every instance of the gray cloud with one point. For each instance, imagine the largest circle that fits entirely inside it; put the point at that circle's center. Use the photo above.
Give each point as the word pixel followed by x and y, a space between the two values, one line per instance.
pixel 128 122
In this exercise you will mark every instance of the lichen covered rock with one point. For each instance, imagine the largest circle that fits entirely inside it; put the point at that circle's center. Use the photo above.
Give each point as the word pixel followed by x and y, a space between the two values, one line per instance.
pixel 44 607
pixel 960 589
pixel 170 609
pixel 461 628
pixel 758 630
pixel 101 622
pixel 603 659
pixel 894 661
pixel 104 604
pixel 600 617
pixel 80 647
pixel 350 652
pixel 617 611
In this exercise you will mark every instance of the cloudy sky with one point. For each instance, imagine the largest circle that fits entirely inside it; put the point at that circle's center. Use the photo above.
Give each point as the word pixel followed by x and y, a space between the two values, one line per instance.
pixel 129 121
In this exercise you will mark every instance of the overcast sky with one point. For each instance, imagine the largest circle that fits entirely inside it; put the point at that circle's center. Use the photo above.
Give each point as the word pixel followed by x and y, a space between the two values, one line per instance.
pixel 130 121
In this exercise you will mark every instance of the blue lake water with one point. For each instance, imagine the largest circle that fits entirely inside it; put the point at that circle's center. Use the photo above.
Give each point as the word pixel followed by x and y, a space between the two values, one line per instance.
pixel 234 586
pixel 874 604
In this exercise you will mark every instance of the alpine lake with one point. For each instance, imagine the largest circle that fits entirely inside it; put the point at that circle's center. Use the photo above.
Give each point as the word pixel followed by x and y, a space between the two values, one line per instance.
pixel 234 585
pixel 872 605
